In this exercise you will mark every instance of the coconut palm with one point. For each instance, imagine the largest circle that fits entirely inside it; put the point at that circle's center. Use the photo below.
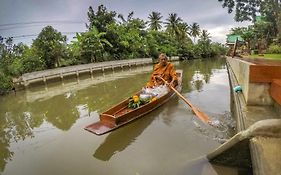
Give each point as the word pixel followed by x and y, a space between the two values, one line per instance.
pixel 194 30
pixel 205 36
pixel 183 29
pixel 154 21
pixel 248 35
pixel 172 24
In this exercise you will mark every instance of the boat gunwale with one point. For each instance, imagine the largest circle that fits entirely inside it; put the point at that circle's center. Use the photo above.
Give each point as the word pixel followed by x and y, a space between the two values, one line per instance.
pixel 112 126
pixel 170 93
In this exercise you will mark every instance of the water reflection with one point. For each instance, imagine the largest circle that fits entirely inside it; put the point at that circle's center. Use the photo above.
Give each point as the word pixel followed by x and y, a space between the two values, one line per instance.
pixel 62 106
pixel 170 108
pixel 199 72
pixel 120 139
pixel 69 84
pixel 20 115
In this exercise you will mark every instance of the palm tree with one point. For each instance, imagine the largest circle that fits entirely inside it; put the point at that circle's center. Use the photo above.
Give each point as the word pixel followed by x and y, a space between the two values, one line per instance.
pixel 204 43
pixel 183 29
pixel 172 24
pixel 154 21
pixel 205 36
pixel 248 36
pixel 194 30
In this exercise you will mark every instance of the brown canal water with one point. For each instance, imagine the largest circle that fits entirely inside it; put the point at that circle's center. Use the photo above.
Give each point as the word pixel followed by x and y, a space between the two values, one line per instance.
pixel 42 128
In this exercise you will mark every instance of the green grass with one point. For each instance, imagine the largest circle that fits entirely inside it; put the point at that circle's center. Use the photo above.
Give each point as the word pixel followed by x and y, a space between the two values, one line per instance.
pixel 266 56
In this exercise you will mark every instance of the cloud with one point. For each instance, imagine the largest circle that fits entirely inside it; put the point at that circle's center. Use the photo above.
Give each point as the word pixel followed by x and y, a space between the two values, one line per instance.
pixel 207 13
pixel 219 33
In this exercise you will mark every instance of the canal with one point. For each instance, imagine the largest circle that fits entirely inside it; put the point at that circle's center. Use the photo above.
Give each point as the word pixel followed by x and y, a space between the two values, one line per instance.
pixel 42 127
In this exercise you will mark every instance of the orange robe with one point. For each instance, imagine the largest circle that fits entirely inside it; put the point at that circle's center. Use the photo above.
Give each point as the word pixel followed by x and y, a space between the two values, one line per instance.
pixel 167 72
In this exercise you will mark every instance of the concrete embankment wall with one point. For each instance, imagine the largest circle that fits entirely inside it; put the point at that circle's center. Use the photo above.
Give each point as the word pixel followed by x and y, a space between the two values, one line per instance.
pixel 258 103
pixel 254 93
pixel 61 72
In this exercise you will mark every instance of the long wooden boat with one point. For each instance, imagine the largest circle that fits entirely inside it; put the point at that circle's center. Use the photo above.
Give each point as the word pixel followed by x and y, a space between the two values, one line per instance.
pixel 121 114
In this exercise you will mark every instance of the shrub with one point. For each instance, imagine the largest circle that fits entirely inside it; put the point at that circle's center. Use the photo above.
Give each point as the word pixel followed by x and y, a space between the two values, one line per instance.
pixel 6 83
pixel 274 48
pixel 186 51
pixel 217 49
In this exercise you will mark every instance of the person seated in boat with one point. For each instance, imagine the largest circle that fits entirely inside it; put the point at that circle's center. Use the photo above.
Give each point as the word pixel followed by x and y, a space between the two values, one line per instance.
pixel 165 70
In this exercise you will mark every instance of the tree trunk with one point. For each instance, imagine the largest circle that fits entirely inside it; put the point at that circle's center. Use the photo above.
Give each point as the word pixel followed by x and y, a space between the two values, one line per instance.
pixel 249 47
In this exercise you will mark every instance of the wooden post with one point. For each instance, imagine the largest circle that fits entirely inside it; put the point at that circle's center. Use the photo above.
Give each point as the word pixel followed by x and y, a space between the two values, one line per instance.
pixel 91 72
pixel 235 47
pixel 77 75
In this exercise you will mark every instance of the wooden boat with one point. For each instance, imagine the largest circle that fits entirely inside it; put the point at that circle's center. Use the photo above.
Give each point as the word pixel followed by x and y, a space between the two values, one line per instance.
pixel 121 114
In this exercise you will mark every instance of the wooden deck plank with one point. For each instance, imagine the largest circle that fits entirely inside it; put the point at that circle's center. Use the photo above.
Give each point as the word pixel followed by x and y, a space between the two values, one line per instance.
pixel 264 73
pixel 275 90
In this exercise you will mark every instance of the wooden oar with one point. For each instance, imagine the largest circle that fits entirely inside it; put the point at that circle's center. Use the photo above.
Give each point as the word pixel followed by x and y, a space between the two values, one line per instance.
pixel 202 116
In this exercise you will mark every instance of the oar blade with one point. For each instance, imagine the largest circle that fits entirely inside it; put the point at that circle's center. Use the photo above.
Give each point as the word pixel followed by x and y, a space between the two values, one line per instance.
pixel 201 115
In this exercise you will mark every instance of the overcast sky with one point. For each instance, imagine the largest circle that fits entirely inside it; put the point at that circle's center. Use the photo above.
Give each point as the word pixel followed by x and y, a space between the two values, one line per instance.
pixel 71 15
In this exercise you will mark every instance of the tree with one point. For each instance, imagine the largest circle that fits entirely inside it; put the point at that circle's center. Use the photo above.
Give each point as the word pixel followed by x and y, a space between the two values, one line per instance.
pixel 249 9
pixel 204 43
pixel 154 21
pixel 172 24
pixel 129 17
pixel 237 30
pixel 6 83
pixel 279 28
pixel 29 62
pixel 248 35
pixel 91 45
pixel 264 30
pixel 50 45
pixel 159 41
pixel 6 54
pixel 183 31
pixel 194 30
pixel 101 18
pixel 205 37
pixel 11 55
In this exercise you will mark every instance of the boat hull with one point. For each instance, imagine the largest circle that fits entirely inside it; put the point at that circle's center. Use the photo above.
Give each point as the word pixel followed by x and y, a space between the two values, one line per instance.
pixel 120 114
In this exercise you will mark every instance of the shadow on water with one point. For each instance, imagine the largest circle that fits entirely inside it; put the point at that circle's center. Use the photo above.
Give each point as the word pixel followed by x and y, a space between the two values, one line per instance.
pixel 120 139
pixel 201 166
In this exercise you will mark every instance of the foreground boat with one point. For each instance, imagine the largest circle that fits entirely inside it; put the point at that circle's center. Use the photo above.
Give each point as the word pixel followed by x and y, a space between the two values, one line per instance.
pixel 121 114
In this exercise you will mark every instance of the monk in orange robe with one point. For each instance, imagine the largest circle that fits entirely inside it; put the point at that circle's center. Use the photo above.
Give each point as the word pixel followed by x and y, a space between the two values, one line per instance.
pixel 165 70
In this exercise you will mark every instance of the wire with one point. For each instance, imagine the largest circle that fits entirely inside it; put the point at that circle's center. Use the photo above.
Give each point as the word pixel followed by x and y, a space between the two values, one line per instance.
pixel 42 22
pixel 16 27
pixel 32 35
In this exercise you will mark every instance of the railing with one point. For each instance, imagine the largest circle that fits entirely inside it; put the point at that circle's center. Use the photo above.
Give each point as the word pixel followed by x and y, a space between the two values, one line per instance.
pixel 61 72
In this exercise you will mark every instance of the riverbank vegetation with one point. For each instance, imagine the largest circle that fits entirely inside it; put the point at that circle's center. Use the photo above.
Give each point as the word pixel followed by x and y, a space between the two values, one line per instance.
pixel 109 36
pixel 264 35
pixel 266 56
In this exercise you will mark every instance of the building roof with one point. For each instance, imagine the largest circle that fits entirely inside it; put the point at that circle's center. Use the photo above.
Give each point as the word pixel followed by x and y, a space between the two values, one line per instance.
pixel 259 19
pixel 232 38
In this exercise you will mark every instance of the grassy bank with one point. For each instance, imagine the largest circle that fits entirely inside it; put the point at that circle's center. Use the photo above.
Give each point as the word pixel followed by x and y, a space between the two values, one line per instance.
pixel 266 56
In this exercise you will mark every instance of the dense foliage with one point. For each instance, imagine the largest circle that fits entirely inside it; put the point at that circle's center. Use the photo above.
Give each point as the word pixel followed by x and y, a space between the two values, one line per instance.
pixel 264 36
pixel 252 10
pixel 274 48
pixel 109 37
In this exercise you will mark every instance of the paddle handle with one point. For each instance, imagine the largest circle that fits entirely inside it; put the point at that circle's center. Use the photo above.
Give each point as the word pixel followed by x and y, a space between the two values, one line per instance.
pixel 197 112
pixel 177 92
